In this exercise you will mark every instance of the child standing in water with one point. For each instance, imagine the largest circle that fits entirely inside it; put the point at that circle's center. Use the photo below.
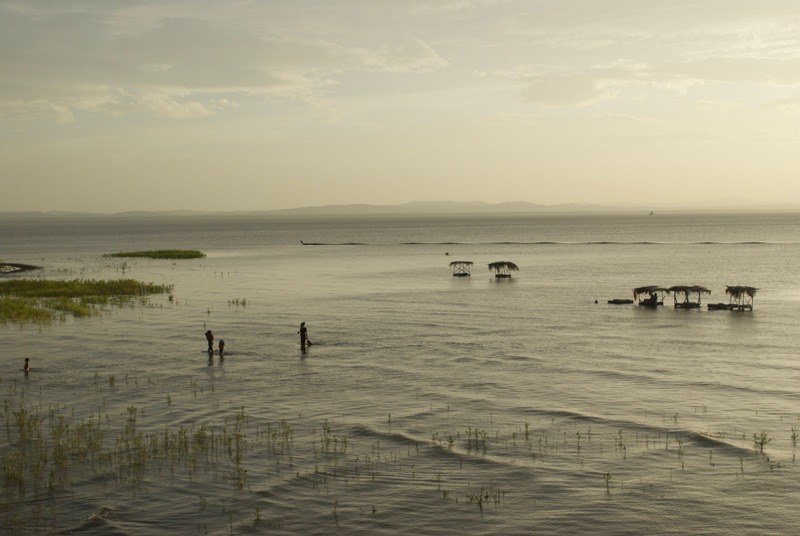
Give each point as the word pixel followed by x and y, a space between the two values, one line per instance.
pixel 26 368
pixel 221 347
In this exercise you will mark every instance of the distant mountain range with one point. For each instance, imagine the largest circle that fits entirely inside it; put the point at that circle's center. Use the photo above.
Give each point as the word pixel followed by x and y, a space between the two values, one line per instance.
pixel 438 208
pixel 451 207
pixel 520 207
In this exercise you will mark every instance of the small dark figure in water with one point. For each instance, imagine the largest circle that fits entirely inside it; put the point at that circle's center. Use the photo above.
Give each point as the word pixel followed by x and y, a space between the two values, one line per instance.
pixel 221 347
pixel 652 300
pixel 26 368
pixel 210 339
pixel 303 336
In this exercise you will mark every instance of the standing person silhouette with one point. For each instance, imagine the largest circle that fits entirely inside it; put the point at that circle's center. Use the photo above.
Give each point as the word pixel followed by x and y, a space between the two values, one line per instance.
pixel 210 339
pixel 303 337
pixel 27 367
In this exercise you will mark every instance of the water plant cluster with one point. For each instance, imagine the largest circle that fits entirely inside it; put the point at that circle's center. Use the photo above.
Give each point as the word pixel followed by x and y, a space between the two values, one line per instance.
pixel 161 254
pixel 47 450
pixel 42 300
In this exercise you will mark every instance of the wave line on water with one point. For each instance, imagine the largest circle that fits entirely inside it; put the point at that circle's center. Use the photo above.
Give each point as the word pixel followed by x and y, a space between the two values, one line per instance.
pixel 453 452
pixel 702 439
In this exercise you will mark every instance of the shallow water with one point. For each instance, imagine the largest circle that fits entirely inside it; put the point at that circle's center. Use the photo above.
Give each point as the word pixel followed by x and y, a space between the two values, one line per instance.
pixel 429 403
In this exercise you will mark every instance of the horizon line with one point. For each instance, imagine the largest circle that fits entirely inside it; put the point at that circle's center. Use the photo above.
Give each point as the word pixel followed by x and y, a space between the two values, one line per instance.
pixel 441 207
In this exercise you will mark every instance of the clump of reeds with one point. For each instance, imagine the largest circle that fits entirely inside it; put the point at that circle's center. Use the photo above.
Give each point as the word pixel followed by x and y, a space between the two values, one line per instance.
pixel 161 254
pixel 761 440
pixel 23 311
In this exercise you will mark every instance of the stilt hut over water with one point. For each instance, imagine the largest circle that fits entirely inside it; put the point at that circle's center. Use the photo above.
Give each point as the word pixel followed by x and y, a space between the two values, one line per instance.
pixel 503 269
pixel 461 268
pixel 655 295
pixel 741 297
pixel 687 291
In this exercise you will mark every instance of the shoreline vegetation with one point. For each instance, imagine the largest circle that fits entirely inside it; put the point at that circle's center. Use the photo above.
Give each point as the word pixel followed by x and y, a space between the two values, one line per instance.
pixel 41 300
pixel 161 254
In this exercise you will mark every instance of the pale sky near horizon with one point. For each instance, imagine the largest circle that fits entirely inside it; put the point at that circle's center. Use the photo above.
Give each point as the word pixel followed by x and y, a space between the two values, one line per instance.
pixel 110 105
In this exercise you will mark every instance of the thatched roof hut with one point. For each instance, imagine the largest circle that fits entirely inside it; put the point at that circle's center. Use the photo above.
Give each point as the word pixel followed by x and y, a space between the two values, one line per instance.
pixel 503 268
pixel 648 289
pixel 741 296
pixel 655 295
pixel 461 268
pixel 687 290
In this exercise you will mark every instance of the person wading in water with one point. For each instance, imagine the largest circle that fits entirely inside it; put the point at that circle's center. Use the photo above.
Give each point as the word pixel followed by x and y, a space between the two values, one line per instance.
pixel 303 337
pixel 210 339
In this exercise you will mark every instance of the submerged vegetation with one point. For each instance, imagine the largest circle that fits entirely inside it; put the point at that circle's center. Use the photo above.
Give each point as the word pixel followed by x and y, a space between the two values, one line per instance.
pixel 41 300
pixel 45 452
pixel 161 254
pixel 119 439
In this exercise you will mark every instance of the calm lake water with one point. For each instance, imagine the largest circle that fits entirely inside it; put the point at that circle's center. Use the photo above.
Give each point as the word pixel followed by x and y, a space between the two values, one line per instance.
pixel 428 404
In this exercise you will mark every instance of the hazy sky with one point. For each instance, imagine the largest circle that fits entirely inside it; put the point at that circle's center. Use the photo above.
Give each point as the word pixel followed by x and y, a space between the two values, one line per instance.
pixel 110 105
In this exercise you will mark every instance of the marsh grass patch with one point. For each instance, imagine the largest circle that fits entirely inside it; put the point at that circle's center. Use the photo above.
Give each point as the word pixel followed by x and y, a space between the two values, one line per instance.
pixel 42 300
pixel 24 311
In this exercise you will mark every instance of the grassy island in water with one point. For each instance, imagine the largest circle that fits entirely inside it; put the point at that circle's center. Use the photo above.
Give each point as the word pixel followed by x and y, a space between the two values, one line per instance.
pixel 161 254
pixel 41 300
